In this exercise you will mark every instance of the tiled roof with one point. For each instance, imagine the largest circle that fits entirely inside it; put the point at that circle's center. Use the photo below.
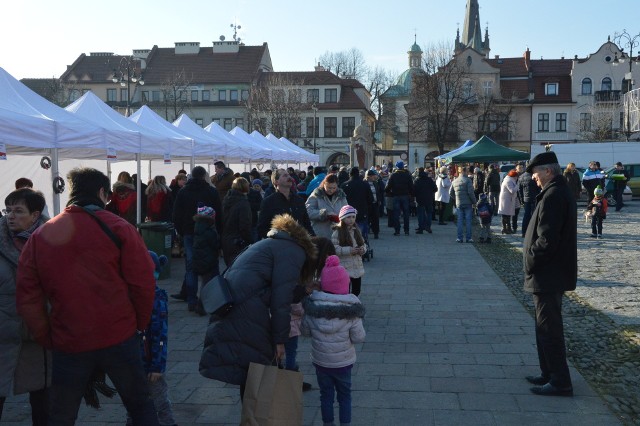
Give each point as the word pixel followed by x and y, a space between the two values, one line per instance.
pixel 518 89
pixel 163 63
pixel 509 67
pixel 551 67
pixel 205 66
pixel 552 71
pixel 307 78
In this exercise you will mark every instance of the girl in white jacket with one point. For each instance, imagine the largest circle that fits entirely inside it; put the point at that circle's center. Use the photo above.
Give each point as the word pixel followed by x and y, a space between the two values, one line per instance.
pixel 333 319
pixel 350 246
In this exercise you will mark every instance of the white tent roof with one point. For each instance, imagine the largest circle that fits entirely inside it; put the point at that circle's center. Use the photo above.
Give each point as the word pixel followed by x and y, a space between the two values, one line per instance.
pixel 308 157
pixel 147 118
pixel 236 148
pixel 215 147
pixel 28 120
pixel 258 152
pixel 278 153
pixel 122 134
pixel 294 153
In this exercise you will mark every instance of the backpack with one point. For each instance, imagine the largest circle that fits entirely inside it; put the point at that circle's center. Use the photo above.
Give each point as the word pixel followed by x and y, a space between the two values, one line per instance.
pixel 483 211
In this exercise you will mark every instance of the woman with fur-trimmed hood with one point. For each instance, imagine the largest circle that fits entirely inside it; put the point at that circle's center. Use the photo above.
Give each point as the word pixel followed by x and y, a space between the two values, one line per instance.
pixel 262 280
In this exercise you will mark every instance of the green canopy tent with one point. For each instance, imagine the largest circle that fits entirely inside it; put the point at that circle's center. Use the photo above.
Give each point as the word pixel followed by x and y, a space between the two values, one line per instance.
pixel 484 151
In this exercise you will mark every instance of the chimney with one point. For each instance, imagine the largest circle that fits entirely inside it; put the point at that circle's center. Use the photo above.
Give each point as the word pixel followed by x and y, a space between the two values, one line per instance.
pixel 319 67
pixel 496 57
pixel 527 59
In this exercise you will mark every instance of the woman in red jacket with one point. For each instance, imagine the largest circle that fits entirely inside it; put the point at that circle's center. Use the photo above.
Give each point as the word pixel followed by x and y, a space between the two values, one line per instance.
pixel 159 200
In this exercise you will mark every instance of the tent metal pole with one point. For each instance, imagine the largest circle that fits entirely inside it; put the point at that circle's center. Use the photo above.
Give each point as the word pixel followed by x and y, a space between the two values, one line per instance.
pixel 138 189
pixel 55 173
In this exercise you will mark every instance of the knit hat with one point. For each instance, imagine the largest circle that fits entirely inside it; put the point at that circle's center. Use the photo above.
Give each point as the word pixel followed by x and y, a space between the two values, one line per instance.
pixel 158 262
pixel 206 211
pixel 598 192
pixel 334 278
pixel 347 211
pixel 256 182
pixel 400 164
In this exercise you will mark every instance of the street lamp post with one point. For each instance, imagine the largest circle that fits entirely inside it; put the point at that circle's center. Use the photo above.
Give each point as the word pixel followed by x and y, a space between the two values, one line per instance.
pixel 315 112
pixel 625 39
pixel 125 74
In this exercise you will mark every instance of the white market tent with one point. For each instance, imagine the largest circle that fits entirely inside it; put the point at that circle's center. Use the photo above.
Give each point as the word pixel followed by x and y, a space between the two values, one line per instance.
pixel 277 153
pixel 258 153
pixel 216 147
pixel 298 156
pixel 309 157
pixel 236 149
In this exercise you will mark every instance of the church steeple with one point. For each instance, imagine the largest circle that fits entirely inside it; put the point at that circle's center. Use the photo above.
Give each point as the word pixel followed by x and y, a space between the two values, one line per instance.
pixel 472 32
pixel 415 54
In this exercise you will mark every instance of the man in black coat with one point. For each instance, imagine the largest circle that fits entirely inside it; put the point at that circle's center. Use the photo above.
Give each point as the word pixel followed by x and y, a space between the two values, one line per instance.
pixel 550 256
pixel 424 189
pixel 400 187
pixel 359 196
pixel 528 190
pixel 280 202
pixel 197 192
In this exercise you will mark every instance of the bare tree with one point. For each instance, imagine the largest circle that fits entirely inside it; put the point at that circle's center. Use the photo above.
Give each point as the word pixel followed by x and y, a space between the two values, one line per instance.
pixel 275 105
pixel 440 98
pixel 596 122
pixel 347 63
pixel 377 81
pixel 494 115
pixel 175 95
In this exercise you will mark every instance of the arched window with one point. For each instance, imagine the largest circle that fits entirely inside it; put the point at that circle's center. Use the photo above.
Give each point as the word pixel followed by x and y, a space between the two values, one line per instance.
pixel 606 84
pixel 586 86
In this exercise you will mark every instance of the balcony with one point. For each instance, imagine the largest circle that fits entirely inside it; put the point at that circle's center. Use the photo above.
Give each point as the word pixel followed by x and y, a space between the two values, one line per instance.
pixel 607 95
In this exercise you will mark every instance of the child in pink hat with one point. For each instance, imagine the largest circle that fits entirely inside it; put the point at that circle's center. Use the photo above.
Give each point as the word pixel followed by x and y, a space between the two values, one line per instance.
pixel 350 246
pixel 333 319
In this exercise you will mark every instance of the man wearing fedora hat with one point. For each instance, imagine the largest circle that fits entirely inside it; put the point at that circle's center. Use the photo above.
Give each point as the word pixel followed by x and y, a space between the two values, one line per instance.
pixel 550 257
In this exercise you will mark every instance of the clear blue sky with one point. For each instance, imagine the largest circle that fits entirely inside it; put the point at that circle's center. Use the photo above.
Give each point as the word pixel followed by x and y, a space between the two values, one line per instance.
pixel 41 37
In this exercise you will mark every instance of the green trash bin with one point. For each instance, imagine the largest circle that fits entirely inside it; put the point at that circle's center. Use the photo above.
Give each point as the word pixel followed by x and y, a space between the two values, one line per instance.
pixel 158 236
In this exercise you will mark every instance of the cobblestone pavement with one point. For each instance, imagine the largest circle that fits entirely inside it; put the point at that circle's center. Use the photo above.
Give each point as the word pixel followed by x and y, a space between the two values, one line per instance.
pixel 449 341
pixel 602 317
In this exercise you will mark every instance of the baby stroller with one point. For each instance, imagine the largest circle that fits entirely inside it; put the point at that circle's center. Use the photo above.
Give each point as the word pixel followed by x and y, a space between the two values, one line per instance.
pixel 364 229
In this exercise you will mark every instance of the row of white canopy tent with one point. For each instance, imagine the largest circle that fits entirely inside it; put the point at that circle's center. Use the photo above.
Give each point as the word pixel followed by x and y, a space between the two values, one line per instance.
pixel 90 129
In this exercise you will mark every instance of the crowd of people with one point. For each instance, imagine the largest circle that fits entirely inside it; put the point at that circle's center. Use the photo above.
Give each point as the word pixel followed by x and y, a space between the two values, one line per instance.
pixel 292 243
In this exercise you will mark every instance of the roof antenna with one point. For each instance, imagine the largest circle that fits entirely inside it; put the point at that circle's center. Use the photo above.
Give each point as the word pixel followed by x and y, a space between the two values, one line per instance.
pixel 236 27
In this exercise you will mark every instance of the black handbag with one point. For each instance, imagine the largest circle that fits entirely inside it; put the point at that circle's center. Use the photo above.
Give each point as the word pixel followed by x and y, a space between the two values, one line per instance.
pixel 216 296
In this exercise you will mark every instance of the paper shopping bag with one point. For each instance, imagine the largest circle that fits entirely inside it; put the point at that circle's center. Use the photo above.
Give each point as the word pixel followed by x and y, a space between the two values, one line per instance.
pixel 272 397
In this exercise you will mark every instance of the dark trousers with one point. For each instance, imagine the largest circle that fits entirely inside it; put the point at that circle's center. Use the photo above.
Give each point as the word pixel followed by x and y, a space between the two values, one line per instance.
pixel 121 362
pixel 552 352
pixel 356 285
pixel 619 190
pixel 441 208
pixel 401 205
pixel 514 220
pixel 424 217
pixel 374 219
pixel 596 225
pixel 526 216
pixel 38 402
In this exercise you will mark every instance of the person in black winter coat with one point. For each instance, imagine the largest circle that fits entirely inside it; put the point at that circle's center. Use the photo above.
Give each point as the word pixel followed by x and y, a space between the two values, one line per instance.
pixel 359 196
pixel 280 202
pixel 400 187
pixel 376 187
pixel 528 190
pixel 492 187
pixel 262 282
pixel 424 189
pixel 236 233
pixel 550 257
pixel 197 192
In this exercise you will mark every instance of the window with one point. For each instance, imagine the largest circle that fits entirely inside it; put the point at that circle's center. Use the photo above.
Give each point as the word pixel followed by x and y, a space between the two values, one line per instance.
pixel 216 120
pixel 194 96
pixel 245 95
pixel 551 89
pixel 240 123
pixel 330 127
pixel 626 85
pixel 233 95
pixel 228 124
pixel 467 91
pixel 155 96
pixel 606 84
pixel 222 95
pixel 330 95
pixel 145 96
pixel 278 95
pixel 348 125
pixel 294 129
pixel 543 122
pixel 111 95
pixel 199 122
pixel 295 96
pixel 585 121
pixel 310 127
pixel 183 95
pixel 124 95
pixel 313 95
pixel 74 95
pixel 561 122
pixel 487 87
pixel 206 96
pixel 586 86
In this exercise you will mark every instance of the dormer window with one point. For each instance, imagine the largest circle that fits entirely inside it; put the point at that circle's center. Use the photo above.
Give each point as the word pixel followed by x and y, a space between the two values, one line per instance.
pixel 551 89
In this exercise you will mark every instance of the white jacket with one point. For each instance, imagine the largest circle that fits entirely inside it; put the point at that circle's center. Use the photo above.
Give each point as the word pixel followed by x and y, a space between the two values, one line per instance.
pixel 443 184
pixel 334 322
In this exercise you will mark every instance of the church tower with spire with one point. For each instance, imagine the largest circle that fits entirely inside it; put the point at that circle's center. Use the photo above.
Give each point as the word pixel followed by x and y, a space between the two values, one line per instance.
pixel 472 32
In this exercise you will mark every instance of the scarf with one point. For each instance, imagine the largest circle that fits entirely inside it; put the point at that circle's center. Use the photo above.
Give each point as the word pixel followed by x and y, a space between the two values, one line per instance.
pixel 24 235
pixel 83 200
